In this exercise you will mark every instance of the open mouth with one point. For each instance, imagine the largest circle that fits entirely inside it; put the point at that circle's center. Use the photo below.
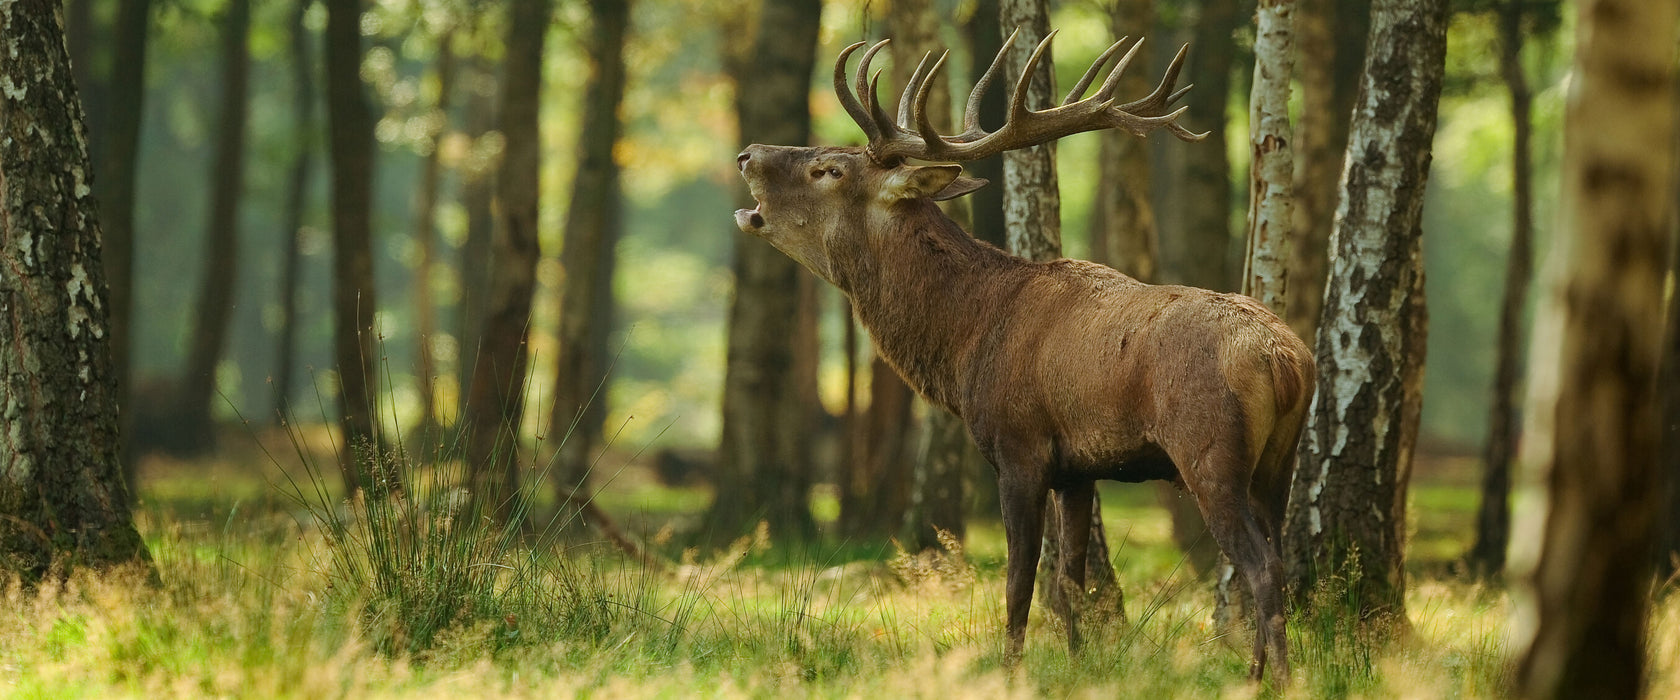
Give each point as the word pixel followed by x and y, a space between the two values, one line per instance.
pixel 750 220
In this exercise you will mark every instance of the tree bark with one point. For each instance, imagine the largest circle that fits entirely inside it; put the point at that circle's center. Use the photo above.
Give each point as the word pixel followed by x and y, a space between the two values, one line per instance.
pixel 1592 429
pixel 589 255
pixel 1197 256
pixel 304 139
pixel 1033 228
pixel 1667 553
pixel 221 233
pixel 1493 517
pixel 1331 35
pixel 496 398
pixel 425 232
pixel 1123 234
pixel 1347 510
pixel 63 502
pixel 350 128
pixel 1270 205
pixel 985 37
pixel 115 179
pixel 764 457
pixel 477 175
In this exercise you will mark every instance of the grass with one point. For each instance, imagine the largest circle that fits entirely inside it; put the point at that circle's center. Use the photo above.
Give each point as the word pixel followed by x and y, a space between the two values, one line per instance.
pixel 265 595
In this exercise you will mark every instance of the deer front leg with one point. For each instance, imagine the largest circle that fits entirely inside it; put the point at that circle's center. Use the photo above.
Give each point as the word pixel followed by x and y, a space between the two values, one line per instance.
pixel 1022 497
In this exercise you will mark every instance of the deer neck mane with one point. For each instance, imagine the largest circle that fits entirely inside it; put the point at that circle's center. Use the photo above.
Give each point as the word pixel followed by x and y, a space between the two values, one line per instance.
pixel 927 292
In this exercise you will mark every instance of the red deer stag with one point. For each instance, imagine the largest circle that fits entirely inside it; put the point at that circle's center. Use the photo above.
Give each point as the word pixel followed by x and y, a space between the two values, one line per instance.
pixel 1065 372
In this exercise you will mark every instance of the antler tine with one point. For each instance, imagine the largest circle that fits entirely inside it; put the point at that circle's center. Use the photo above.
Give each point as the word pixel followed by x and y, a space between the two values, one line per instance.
pixel 866 97
pixel 910 87
pixel 1106 92
pixel 883 121
pixel 971 112
pixel 1175 97
pixel 924 125
pixel 1159 99
pixel 1018 100
pixel 843 90
pixel 1091 73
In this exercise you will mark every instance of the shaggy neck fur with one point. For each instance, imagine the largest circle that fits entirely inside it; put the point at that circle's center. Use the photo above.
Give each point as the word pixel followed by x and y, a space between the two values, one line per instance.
pixel 929 294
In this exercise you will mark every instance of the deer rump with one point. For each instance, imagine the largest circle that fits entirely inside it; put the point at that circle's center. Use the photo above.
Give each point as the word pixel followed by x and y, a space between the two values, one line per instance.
pixel 1064 372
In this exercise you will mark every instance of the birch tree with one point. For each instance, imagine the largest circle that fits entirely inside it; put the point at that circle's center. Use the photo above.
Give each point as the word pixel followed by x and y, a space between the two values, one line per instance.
pixel 62 497
pixel 1592 420
pixel 1348 503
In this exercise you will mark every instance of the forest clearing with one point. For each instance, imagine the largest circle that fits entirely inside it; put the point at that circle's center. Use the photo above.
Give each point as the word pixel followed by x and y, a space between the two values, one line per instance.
pixel 1138 348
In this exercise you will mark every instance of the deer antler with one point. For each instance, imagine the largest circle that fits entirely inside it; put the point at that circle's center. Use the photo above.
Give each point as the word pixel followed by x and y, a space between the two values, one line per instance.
pixel 913 136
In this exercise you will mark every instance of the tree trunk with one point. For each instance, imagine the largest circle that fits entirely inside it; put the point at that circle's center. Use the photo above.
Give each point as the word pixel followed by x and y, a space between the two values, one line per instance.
pixel 1196 256
pixel 1270 205
pixel 589 255
pixel 115 180
pixel 297 197
pixel 63 502
pixel 1033 227
pixel 425 232
pixel 1347 511
pixel 221 233
pixel 1123 232
pixel 1667 553
pixel 477 177
pixel 1331 35
pixel 496 397
pixel 1493 517
pixel 764 456
pixel 1592 428
pixel 350 129
pixel 985 37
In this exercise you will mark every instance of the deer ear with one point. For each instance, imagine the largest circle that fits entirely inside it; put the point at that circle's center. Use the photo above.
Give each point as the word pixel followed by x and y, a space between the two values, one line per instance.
pixel 918 182
pixel 960 187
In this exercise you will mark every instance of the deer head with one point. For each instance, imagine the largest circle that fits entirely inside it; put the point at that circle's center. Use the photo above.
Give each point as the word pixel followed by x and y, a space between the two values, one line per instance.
pixel 814 202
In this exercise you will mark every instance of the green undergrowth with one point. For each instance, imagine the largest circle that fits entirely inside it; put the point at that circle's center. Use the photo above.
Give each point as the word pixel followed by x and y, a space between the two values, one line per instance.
pixel 300 592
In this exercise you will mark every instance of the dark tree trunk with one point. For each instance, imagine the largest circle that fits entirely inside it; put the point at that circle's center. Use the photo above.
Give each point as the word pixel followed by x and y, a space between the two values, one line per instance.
pixel 1493 518
pixel 1331 35
pixel 1122 222
pixel 873 503
pixel 425 230
pixel 589 255
pixel 1592 418
pixel 496 398
pixel 221 232
pixel 477 187
pixel 985 37
pixel 1197 255
pixel 1349 498
pixel 90 64
pixel 1667 553
pixel 62 497
pixel 764 456
pixel 304 139
pixel 350 127
pixel 115 179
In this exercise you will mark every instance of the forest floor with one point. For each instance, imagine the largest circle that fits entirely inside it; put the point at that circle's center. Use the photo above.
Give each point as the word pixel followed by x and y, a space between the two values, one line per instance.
pixel 270 587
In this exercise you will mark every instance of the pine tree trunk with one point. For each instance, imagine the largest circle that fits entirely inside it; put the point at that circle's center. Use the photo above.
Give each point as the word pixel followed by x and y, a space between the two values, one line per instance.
pixel 1493 517
pixel 425 232
pixel 1331 35
pixel 1592 430
pixel 297 197
pixel 1123 232
pixel 589 255
pixel 115 181
pixel 764 456
pixel 1196 256
pixel 63 502
pixel 221 232
pixel 985 37
pixel 350 127
pixel 477 177
pixel 1347 509
pixel 496 399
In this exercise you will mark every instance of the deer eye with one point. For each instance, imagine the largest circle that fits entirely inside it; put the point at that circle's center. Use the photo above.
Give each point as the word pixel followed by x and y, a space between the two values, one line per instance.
pixel 834 173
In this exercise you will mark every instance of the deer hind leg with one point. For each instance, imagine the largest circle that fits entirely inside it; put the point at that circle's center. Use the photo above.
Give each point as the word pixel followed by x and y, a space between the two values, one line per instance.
pixel 1074 504
pixel 1233 523
pixel 1022 491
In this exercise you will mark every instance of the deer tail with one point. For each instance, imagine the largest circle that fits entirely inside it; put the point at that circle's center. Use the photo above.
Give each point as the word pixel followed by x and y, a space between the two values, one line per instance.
pixel 1292 376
